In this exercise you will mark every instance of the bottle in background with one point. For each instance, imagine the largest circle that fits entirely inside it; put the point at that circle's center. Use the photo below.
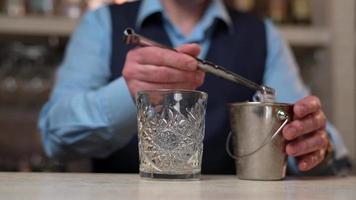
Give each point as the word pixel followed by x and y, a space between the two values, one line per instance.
pixel 71 8
pixel 15 8
pixel 44 7
pixel 2 6
pixel 301 11
pixel 278 11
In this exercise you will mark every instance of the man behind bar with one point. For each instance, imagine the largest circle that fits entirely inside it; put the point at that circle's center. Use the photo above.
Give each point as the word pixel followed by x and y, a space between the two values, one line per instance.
pixel 91 112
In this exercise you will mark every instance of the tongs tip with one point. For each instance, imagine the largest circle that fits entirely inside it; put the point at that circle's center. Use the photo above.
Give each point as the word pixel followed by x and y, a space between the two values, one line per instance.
pixel 129 31
pixel 129 36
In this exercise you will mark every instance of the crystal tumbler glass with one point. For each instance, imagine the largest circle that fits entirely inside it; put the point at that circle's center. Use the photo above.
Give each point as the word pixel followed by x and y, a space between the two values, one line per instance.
pixel 171 125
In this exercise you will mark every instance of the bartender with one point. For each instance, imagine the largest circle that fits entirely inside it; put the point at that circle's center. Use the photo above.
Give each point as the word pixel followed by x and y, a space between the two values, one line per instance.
pixel 91 112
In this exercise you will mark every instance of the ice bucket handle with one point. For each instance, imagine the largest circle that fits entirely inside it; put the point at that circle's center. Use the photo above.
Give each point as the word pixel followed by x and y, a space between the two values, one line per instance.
pixel 281 115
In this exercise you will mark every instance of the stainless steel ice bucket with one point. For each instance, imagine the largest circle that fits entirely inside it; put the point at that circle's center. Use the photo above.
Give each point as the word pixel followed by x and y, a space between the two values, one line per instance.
pixel 256 130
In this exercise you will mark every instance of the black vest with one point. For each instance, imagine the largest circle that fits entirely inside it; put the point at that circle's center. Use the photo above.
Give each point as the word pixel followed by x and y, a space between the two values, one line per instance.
pixel 244 51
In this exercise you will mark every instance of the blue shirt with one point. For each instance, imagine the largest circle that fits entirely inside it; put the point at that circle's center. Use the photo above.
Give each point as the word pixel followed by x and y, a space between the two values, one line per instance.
pixel 88 116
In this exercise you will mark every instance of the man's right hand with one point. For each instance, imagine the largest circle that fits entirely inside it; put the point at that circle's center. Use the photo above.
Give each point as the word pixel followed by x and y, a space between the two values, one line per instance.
pixel 150 68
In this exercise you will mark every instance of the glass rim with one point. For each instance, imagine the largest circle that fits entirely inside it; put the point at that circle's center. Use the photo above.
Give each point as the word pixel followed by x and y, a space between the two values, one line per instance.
pixel 171 91
pixel 256 103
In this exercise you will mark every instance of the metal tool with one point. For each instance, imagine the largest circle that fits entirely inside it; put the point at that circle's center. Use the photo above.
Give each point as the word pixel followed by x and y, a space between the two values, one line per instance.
pixel 130 37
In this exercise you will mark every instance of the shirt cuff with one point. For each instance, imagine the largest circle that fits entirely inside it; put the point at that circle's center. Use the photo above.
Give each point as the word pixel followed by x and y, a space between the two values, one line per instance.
pixel 119 107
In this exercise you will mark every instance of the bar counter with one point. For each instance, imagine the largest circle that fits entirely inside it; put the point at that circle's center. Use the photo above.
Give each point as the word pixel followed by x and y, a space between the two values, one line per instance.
pixel 89 186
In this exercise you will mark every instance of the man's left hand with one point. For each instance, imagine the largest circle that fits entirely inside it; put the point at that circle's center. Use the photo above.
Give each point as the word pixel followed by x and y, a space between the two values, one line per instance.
pixel 306 134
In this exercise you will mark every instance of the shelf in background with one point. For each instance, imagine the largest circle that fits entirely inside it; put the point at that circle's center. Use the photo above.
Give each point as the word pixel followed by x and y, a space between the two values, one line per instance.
pixel 306 35
pixel 37 25
pixel 61 26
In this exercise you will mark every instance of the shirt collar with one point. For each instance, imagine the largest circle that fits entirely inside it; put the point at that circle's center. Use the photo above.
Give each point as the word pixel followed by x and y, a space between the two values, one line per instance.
pixel 148 8
pixel 216 9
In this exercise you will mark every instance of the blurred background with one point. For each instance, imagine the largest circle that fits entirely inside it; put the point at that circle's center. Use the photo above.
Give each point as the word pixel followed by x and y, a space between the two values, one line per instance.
pixel 34 33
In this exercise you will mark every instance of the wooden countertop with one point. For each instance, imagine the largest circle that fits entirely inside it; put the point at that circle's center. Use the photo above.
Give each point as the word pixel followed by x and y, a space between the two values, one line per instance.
pixel 69 186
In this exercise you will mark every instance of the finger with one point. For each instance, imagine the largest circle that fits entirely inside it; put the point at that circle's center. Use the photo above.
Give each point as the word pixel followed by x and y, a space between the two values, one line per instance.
pixel 163 57
pixel 311 160
pixel 304 126
pixel 161 74
pixel 199 78
pixel 306 106
pixel 190 49
pixel 305 145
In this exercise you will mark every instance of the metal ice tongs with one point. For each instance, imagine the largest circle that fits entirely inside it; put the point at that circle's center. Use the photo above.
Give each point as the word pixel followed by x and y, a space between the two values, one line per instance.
pixel 130 37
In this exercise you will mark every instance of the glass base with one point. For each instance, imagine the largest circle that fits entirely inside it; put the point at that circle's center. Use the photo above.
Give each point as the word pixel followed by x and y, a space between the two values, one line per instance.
pixel 170 176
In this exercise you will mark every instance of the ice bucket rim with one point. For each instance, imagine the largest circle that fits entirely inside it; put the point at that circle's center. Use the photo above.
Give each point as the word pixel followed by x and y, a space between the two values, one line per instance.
pixel 278 104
